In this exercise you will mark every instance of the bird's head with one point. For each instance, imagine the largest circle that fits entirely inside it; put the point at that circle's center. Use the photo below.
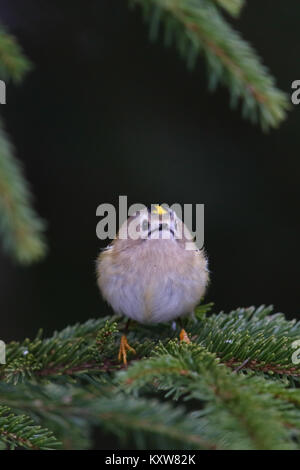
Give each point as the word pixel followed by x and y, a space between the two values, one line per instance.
pixel 159 223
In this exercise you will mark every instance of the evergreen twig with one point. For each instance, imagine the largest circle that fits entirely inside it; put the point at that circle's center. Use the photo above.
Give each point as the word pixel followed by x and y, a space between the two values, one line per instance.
pixel 197 27
pixel 233 7
pixel 226 400
pixel 19 431
pixel 21 228
pixel 13 63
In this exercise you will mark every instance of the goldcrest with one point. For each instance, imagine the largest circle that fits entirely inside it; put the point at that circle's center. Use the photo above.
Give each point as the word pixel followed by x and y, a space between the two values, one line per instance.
pixel 147 273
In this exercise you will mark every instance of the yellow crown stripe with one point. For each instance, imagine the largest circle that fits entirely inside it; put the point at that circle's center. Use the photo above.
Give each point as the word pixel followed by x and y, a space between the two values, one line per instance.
pixel 159 210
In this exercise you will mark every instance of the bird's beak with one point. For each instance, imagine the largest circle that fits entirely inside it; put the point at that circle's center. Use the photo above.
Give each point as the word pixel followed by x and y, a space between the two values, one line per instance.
pixel 163 227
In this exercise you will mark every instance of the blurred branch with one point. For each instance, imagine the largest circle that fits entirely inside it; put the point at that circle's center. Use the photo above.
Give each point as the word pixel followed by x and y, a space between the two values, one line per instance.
pixel 21 228
pixel 197 27
pixel 233 7
pixel 241 408
pixel 19 431
pixel 13 64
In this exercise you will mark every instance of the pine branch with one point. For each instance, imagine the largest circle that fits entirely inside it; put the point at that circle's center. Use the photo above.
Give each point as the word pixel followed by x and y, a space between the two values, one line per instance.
pixel 263 340
pixel 243 406
pixel 74 351
pixel 114 412
pixel 170 426
pixel 59 408
pixel 13 64
pixel 239 411
pixel 231 6
pixel 19 431
pixel 21 228
pixel 74 377
pixel 197 27
pixel 251 338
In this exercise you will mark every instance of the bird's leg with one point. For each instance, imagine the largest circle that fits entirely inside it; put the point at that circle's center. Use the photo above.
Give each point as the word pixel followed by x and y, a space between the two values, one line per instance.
pixel 183 334
pixel 124 346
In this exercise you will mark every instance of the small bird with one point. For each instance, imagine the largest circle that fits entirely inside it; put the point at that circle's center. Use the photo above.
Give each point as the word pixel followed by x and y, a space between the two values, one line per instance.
pixel 148 274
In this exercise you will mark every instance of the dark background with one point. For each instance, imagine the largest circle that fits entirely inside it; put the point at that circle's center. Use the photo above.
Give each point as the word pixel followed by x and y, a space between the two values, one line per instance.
pixel 106 113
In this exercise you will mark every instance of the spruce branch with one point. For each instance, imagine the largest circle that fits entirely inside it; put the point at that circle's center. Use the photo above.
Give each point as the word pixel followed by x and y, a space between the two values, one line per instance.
pixel 60 408
pixel 19 431
pixel 256 335
pixel 251 418
pixel 167 426
pixel 197 27
pixel 233 7
pixel 72 381
pixel 74 351
pixel 13 63
pixel 171 427
pixel 264 339
pixel 21 228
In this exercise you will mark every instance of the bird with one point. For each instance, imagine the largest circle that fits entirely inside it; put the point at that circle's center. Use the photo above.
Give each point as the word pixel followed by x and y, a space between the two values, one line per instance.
pixel 147 274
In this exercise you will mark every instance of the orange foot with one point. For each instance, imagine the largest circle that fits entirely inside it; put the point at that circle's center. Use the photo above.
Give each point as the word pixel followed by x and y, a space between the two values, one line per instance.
pixel 184 336
pixel 124 347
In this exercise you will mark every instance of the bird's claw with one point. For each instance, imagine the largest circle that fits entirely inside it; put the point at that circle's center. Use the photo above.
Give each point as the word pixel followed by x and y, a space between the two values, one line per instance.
pixel 124 347
pixel 184 336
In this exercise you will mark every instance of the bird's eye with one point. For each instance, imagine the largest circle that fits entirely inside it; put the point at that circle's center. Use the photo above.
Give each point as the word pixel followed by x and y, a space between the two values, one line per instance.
pixel 145 225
